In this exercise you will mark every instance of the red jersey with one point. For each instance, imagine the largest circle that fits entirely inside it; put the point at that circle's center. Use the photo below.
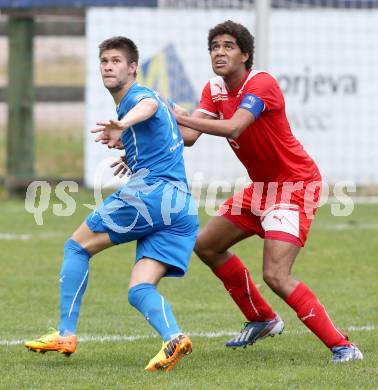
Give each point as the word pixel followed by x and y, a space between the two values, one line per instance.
pixel 267 148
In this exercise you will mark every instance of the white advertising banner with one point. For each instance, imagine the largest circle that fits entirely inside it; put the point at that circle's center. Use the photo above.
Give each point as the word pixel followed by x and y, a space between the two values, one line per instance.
pixel 326 62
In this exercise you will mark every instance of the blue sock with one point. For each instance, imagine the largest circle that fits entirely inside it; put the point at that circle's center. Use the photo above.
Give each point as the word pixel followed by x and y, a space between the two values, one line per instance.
pixel 73 282
pixel 157 311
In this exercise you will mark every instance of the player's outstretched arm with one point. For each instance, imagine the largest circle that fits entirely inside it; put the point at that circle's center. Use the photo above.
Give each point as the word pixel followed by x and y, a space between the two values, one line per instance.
pixel 142 111
pixel 110 131
pixel 190 136
pixel 229 128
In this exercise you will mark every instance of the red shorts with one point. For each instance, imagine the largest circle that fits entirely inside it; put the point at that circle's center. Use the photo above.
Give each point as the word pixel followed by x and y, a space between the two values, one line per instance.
pixel 279 211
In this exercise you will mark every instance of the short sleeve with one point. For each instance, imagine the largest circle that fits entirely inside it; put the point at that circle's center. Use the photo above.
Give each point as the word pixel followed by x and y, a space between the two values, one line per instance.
pixel 265 87
pixel 132 100
pixel 171 103
pixel 206 104
pixel 139 96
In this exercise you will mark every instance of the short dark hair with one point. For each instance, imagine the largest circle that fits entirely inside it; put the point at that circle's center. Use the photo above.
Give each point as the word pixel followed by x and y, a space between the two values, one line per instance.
pixel 121 43
pixel 244 38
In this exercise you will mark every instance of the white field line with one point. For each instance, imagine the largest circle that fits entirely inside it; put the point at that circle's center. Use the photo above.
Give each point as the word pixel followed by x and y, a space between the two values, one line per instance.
pixel 210 335
pixel 329 227
pixel 28 236
pixel 346 226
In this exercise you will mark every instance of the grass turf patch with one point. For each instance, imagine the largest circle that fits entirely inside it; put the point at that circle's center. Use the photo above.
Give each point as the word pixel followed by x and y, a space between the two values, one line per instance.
pixel 339 265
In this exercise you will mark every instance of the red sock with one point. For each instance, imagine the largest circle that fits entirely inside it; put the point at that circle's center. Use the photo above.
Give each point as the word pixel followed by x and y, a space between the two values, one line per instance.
pixel 237 281
pixel 313 314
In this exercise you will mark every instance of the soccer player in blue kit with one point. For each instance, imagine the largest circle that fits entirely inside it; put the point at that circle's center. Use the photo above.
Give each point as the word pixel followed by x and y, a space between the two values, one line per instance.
pixel 154 208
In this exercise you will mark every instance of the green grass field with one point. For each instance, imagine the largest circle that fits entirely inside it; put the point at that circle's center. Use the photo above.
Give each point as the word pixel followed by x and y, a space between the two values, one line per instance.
pixel 65 161
pixel 339 264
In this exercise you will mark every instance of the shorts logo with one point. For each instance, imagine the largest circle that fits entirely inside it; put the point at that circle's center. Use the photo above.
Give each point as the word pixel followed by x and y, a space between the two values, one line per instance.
pixel 278 218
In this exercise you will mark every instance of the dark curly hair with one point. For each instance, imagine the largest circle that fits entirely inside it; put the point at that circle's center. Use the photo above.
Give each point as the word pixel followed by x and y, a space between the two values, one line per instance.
pixel 244 38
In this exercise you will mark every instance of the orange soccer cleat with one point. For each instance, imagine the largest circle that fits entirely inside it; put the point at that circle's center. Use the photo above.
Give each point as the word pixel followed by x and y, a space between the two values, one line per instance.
pixel 171 352
pixel 53 341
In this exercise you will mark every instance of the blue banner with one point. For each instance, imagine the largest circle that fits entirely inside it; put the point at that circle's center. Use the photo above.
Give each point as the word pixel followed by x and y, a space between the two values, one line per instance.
pixel 76 3
pixel 154 3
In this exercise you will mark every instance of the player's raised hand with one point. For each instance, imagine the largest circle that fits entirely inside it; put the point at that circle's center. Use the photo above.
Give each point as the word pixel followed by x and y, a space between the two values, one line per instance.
pixel 111 125
pixel 120 166
pixel 178 110
pixel 105 139
pixel 179 118
pixel 110 132
pixel 119 145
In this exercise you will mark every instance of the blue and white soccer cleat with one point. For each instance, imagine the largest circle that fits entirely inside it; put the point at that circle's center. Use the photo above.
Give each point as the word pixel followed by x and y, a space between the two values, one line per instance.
pixel 346 353
pixel 256 330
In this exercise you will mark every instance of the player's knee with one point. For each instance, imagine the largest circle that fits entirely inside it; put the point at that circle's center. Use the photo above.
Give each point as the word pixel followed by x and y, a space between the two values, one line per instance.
pixel 75 256
pixel 72 247
pixel 275 280
pixel 206 254
pixel 210 256
pixel 137 293
pixel 133 297
pixel 67 246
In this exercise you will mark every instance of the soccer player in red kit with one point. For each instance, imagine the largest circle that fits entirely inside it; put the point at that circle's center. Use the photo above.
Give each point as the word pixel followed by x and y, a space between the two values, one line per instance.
pixel 247 107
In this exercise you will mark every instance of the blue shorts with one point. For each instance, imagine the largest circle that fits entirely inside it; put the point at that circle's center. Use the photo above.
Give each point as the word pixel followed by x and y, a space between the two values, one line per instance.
pixel 164 223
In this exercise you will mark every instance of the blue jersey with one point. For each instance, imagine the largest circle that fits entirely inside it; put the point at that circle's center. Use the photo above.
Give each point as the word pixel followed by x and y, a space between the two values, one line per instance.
pixel 154 207
pixel 154 144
